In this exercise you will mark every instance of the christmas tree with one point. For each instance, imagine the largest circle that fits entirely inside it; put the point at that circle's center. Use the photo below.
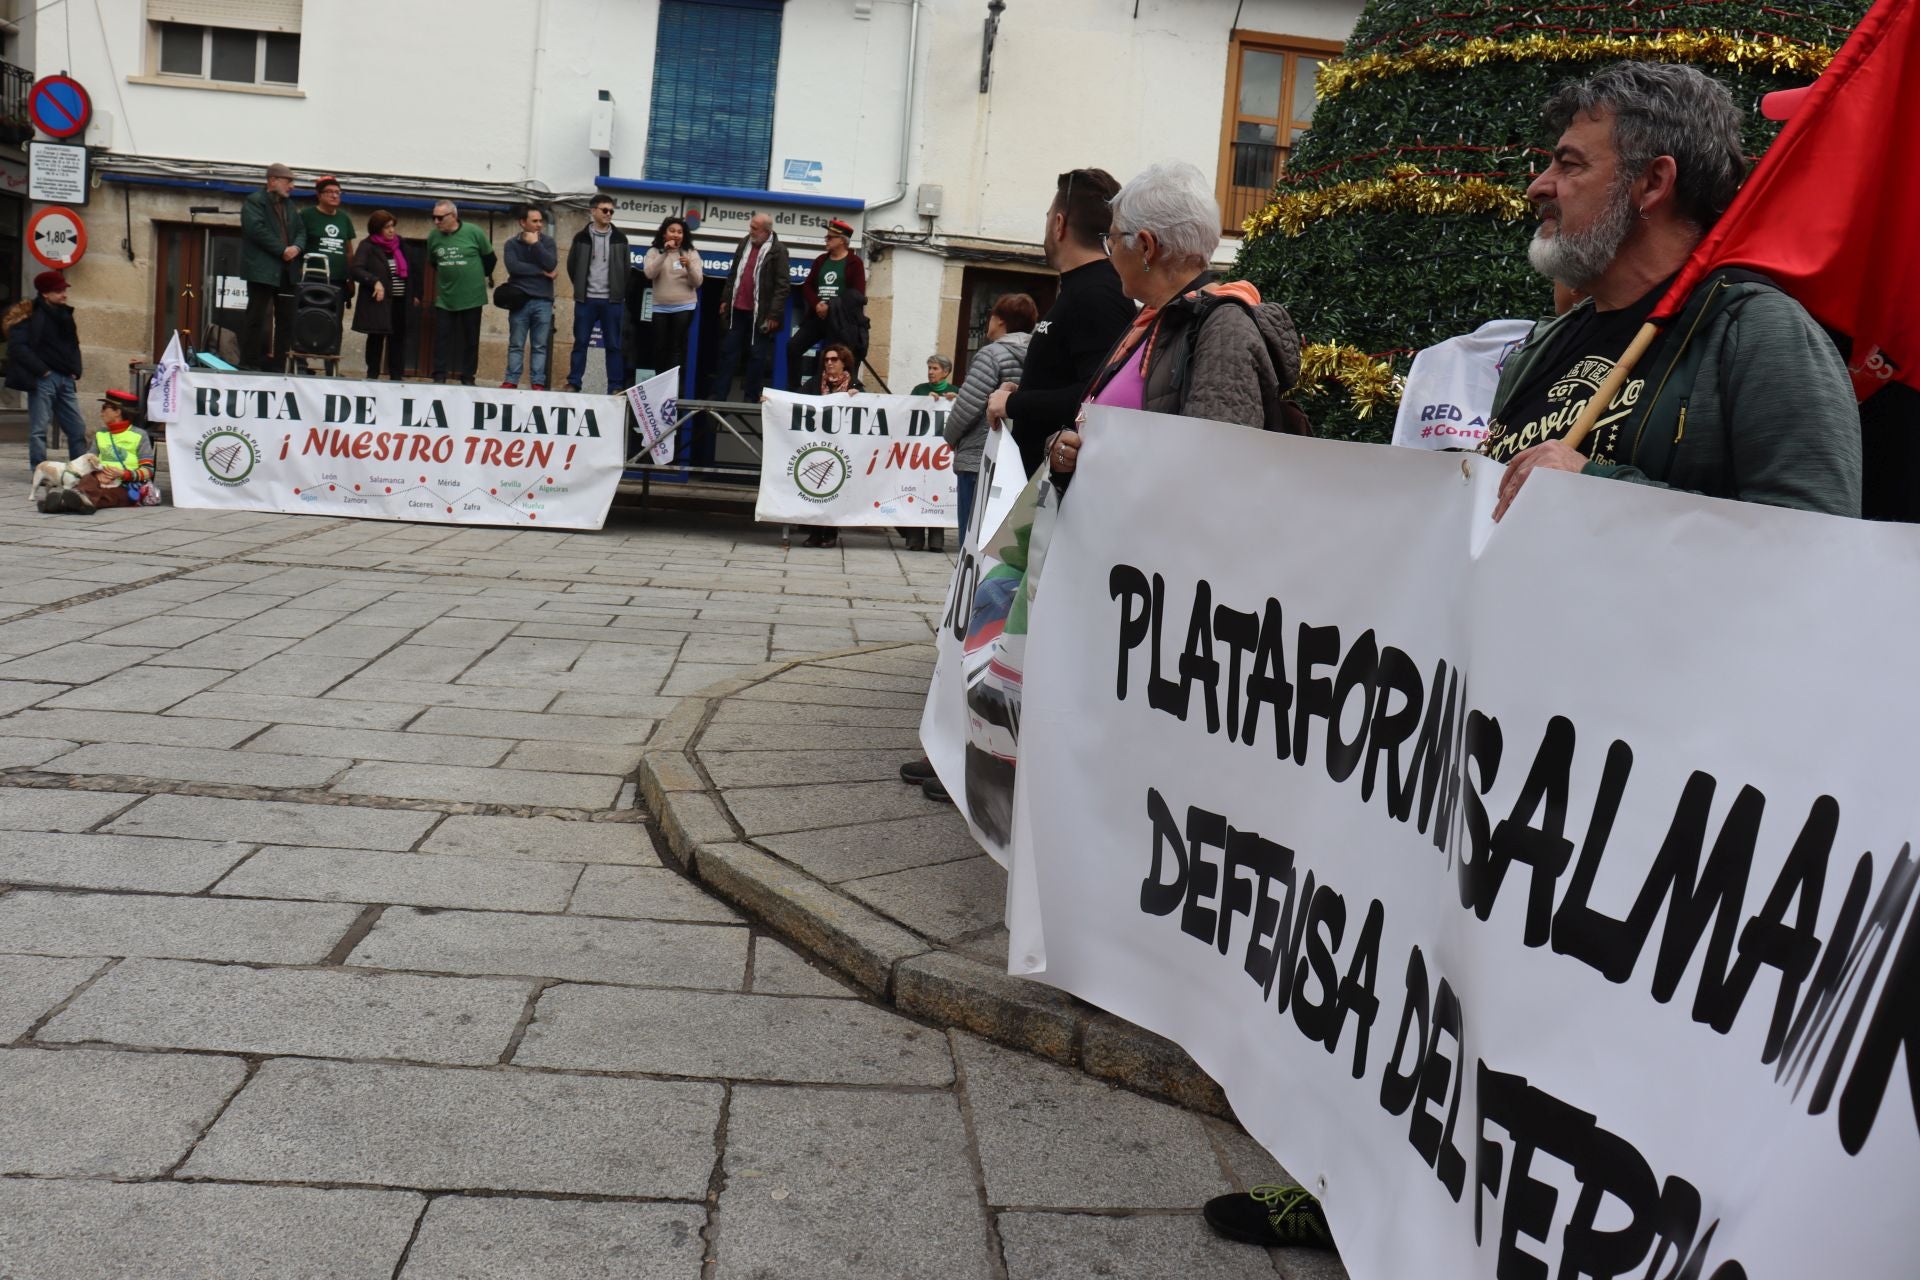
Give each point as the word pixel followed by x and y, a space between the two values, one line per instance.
pixel 1402 219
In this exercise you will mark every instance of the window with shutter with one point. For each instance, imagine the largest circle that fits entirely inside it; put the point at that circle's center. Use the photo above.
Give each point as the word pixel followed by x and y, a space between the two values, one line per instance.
pixel 714 67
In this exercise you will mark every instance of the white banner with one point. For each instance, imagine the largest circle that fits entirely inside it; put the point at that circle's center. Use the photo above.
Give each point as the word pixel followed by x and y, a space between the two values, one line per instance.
pixel 851 460
pixel 163 393
pixel 656 406
pixel 1541 894
pixel 1449 391
pixel 397 451
pixel 973 748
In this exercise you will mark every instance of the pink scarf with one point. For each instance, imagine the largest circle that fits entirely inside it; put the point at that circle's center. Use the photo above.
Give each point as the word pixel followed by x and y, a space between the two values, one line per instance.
pixel 391 243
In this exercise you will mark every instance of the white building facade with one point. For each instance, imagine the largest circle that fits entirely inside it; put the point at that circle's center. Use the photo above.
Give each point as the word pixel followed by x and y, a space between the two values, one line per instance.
pixel 935 127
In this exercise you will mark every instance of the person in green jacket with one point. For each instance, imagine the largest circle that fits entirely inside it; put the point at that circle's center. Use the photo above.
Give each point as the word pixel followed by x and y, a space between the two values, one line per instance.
pixel 462 260
pixel 272 240
pixel 329 229
pixel 1743 395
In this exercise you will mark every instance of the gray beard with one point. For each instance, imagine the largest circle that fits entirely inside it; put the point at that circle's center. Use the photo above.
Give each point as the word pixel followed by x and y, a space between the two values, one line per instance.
pixel 1578 258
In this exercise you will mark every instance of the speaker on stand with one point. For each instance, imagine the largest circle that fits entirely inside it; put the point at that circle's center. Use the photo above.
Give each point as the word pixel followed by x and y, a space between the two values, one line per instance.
pixel 317 311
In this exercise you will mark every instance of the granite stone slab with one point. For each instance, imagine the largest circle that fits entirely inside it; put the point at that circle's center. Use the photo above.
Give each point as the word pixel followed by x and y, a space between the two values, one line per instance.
pixel 333 826
pixel 742 1037
pixel 416 879
pixel 836 1183
pixel 772 810
pixel 331 712
pixel 1051 1137
pixel 437 1127
pixel 203 764
pixel 48 923
pixel 779 970
pixel 646 893
pixel 156 689
pixel 544 839
pixel 93 1113
pixel 304 676
pixel 736 711
pixel 480 786
pixel 170 730
pixel 943 902
pixel 26 753
pixel 172 1004
pixel 33 809
pixel 732 736
pixel 517 1238
pixel 222 653
pixel 185 1231
pixel 487 702
pixel 605 730
pixel 762 768
pixel 572 757
pixel 575 948
pixel 114 862
pixel 375 744
pixel 1070 1246
pixel 32 986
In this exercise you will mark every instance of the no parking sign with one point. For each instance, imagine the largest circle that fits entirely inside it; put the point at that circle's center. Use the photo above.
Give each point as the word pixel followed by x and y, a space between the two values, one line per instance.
pixel 57 237
pixel 59 106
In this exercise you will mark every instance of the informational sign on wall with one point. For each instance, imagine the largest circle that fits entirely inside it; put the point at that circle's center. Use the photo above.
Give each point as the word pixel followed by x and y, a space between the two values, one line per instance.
pixel 56 173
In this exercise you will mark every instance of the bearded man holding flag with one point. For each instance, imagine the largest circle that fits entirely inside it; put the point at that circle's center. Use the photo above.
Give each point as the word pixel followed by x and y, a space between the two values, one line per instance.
pixel 1681 369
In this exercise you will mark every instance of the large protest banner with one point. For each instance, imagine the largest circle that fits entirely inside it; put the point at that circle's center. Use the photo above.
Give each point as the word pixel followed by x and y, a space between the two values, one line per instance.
pixel 397 451
pixel 970 726
pixel 852 460
pixel 1541 894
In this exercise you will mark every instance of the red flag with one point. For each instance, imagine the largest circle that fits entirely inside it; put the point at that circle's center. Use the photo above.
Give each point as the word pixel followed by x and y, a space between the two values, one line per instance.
pixel 1832 211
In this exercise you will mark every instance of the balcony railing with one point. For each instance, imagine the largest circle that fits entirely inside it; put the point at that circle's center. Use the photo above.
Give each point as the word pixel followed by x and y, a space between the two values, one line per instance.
pixel 15 84
pixel 1253 167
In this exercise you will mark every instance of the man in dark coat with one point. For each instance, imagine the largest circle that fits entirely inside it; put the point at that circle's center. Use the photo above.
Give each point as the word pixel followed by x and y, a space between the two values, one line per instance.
pixel 43 356
pixel 753 309
pixel 272 240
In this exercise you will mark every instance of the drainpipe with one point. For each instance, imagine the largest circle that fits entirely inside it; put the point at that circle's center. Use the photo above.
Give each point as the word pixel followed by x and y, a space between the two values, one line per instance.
pixel 906 126
pixel 533 106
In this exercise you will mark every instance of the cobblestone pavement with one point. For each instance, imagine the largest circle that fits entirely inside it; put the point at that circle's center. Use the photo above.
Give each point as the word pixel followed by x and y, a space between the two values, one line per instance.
pixel 333 943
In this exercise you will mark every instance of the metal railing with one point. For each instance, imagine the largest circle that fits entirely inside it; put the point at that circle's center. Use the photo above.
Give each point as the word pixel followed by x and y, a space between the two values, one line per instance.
pixel 15 84
pixel 1253 168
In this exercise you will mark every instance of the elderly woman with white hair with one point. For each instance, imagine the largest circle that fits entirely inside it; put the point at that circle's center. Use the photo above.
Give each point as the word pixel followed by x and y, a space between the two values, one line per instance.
pixel 1198 347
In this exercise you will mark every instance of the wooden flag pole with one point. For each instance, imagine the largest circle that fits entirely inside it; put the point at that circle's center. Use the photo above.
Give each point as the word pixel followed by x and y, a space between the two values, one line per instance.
pixel 1611 384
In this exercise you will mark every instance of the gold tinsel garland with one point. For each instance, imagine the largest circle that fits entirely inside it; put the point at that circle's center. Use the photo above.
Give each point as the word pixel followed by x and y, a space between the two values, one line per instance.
pixel 1404 190
pixel 1771 53
pixel 1370 383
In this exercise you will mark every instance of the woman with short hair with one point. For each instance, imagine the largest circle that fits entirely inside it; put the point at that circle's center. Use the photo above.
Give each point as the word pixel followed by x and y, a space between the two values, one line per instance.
pixel 379 268
pixel 836 377
pixel 1198 347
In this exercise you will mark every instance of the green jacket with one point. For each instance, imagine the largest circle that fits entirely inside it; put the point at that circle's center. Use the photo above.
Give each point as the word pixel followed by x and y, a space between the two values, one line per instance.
pixel 267 227
pixel 1749 400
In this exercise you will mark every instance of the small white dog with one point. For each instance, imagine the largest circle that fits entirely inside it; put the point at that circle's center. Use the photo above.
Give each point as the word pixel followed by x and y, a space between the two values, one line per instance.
pixel 61 475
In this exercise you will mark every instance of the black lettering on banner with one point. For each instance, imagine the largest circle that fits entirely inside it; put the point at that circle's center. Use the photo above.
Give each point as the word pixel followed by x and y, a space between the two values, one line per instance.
pixel 1844 1010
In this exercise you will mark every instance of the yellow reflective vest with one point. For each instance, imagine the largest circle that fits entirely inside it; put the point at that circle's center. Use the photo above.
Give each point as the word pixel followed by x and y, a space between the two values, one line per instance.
pixel 128 450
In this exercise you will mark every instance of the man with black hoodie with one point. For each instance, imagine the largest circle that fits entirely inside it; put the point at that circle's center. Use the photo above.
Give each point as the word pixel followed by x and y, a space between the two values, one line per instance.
pixel 1087 317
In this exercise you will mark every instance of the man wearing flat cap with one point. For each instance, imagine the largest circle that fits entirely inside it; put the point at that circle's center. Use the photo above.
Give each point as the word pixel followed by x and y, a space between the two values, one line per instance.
pixel 273 238
pixel 834 303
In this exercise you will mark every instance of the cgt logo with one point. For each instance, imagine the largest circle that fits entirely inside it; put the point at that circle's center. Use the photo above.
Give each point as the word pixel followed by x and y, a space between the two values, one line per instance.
pixel 229 455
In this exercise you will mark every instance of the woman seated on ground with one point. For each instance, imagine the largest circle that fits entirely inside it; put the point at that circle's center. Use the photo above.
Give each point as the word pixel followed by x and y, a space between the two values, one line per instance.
pixel 1198 347
pixel 125 476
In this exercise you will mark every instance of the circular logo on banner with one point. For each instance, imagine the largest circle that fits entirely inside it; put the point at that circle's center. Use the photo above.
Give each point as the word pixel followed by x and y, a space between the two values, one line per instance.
pixel 229 456
pixel 57 237
pixel 819 471
pixel 59 106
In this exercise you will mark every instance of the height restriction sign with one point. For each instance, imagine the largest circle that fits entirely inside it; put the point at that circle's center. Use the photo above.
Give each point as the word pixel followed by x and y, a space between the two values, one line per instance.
pixel 57 237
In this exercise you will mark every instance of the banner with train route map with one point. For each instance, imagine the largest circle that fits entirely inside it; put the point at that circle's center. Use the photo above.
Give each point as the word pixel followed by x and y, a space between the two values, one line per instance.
pixel 396 451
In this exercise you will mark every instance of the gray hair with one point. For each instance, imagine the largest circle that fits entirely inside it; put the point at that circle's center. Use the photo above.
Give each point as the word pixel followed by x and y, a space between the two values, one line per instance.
pixel 1661 109
pixel 945 362
pixel 1174 200
pixel 451 207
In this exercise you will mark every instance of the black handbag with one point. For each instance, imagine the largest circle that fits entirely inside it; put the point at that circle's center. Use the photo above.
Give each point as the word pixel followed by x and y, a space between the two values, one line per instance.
pixel 510 297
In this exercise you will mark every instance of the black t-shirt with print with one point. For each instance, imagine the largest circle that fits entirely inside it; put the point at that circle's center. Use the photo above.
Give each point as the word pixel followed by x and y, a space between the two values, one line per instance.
pixel 1566 375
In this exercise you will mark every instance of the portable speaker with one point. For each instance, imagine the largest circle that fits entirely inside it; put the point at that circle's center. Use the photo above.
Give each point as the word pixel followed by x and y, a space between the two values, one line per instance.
pixel 316 320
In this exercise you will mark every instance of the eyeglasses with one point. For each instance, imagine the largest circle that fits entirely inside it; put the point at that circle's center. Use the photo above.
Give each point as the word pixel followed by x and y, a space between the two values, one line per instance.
pixel 441 217
pixel 830 359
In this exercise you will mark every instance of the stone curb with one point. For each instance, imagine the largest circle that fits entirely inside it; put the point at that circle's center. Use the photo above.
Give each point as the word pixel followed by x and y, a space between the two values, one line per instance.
pixel 892 963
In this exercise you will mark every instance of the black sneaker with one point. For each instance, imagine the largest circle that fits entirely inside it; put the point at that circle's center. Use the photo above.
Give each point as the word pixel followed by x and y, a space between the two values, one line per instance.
pixel 915 772
pixel 1271 1215
pixel 932 790
pixel 916 541
pixel 77 502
